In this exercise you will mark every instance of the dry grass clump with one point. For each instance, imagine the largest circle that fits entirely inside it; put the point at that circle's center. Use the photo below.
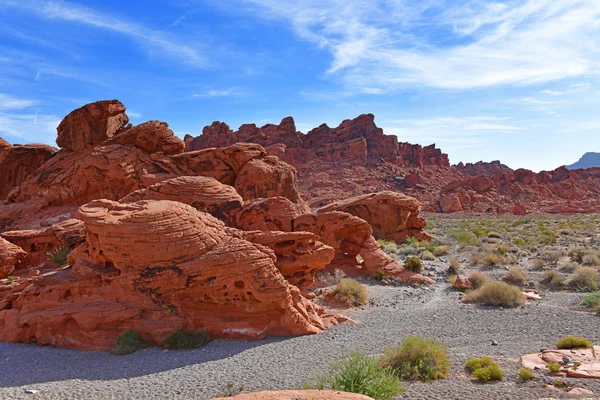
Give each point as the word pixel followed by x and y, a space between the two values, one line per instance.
pixel 441 251
pixel 496 294
pixel 484 369
pixel 418 358
pixel 488 259
pixel 585 279
pixel 590 260
pixel 478 279
pixel 576 254
pixel 454 267
pixel 515 276
pixel 351 293
pixel 553 279
pixel 573 342
pixel 568 266
pixel 427 256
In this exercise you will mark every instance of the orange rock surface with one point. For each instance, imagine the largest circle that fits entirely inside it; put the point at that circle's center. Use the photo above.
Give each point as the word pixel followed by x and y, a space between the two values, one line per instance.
pixel 155 267
pixel 18 162
pixel 298 395
pixel 588 359
pixel 11 257
pixel 392 215
pixel 270 214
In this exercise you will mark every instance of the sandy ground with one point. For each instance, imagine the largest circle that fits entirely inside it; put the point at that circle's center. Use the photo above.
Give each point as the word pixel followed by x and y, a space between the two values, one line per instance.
pixel 225 366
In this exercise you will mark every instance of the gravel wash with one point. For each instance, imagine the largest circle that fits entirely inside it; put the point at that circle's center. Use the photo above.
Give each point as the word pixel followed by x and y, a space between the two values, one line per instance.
pixel 226 366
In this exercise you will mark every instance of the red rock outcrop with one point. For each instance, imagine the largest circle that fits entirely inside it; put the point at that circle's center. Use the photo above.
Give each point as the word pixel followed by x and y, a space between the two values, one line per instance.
pixel 155 267
pixel 270 214
pixel 11 257
pixel 392 215
pixel 588 360
pixel 419 156
pixel 201 192
pixel 298 395
pixel 39 242
pixel 18 162
pixel 351 237
pixel 91 124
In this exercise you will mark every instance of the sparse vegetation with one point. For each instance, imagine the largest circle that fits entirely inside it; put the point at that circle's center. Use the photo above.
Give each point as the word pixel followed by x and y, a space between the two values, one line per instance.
pixel 418 358
pixel 361 374
pixel 413 264
pixel 585 279
pixel 351 293
pixel 59 256
pixel 441 251
pixel 484 369
pixel 592 302
pixel 515 276
pixel 478 279
pixel 573 342
pixel 454 267
pixel 129 342
pixel 553 367
pixel 553 279
pixel 496 294
pixel 427 256
pixel 526 374
pixel 180 340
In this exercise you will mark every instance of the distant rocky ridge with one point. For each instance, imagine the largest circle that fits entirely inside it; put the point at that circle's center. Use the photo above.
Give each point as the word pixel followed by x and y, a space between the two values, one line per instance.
pixel 588 160
pixel 357 158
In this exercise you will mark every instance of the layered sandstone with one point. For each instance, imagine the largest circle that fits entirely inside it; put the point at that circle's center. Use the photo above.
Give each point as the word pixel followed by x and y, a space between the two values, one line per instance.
pixel 18 162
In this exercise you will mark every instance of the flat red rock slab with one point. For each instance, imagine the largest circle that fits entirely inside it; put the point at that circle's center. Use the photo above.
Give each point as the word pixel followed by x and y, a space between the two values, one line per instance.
pixel 588 358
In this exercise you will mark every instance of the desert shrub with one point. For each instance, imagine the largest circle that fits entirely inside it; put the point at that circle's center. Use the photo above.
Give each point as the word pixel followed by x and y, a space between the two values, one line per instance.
pixel 585 279
pixel 379 275
pixel 360 374
pixel 592 301
pixel 484 369
pixel 576 254
pixel 351 292
pixel 454 267
pixel 179 340
pixel 418 358
pixel 488 259
pixel 552 257
pixel 441 251
pixel 408 250
pixel 427 256
pixel 590 260
pixel 464 238
pixel 553 279
pixel 129 342
pixel 478 279
pixel 538 264
pixel 388 246
pixel 330 278
pixel 496 294
pixel 515 276
pixel 569 266
pixel 526 374
pixel 572 342
pixel 411 241
pixel 553 367
pixel 59 256
pixel 518 241
pixel 413 264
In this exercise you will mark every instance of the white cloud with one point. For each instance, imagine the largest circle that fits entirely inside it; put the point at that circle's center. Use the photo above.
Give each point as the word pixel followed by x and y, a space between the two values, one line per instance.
pixel 149 38
pixel 456 44
pixel 29 127
pixel 8 102
pixel 230 92
pixel 134 114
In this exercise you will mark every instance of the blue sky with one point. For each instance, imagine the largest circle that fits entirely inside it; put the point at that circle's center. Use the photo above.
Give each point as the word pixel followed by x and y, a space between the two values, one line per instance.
pixel 514 80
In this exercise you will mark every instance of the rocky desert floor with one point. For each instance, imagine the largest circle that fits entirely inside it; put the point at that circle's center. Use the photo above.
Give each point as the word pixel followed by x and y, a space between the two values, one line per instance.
pixel 225 367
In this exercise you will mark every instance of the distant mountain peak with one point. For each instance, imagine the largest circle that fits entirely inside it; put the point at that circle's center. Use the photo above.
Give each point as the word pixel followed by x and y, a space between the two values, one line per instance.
pixel 588 160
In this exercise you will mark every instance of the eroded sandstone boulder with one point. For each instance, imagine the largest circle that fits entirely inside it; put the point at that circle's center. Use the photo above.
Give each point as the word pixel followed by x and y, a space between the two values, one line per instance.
pixel 91 124
pixel 270 214
pixel 156 267
pixel 20 161
pixel 392 215
pixel 11 257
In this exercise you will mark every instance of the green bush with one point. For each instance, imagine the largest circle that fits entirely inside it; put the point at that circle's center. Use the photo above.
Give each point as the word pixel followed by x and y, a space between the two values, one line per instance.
pixel 573 342
pixel 413 264
pixel 179 340
pixel 351 292
pixel 418 358
pixel 526 374
pixel 484 369
pixel 496 294
pixel 553 367
pixel 360 374
pixel 592 301
pixel 411 241
pixel 59 256
pixel 129 342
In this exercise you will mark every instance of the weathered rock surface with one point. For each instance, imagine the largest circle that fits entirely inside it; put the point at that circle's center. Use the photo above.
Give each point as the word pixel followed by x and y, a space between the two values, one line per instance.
pixel 155 267
pixel 270 214
pixel 18 162
pixel 39 242
pixel 392 215
pixel 91 124
pixel 298 395
pixel 203 193
pixel 588 359
pixel 11 257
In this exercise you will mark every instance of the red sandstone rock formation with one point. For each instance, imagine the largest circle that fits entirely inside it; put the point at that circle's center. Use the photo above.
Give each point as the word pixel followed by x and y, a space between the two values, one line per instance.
pixel 588 359
pixel 91 124
pixel 392 215
pixel 18 162
pixel 11 257
pixel 297 395
pixel 270 214
pixel 155 267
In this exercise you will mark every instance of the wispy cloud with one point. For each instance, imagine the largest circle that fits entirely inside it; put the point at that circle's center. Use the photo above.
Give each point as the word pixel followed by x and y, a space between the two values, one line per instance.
pixel 230 92
pixel 8 102
pixel 29 127
pixel 456 44
pixel 134 114
pixel 149 38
